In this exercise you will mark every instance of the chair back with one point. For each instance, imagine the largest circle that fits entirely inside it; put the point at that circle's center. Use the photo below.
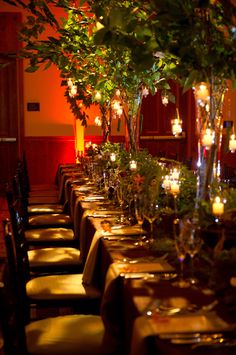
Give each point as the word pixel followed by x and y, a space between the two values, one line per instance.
pixel 25 172
pixel 18 264
pixel 17 209
pixel 19 189
pixel 13 317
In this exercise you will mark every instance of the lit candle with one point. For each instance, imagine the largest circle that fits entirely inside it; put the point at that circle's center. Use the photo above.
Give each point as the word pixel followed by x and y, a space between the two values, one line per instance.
pixel 217 207
pixel 176 127
pixel 166 182
pixel 232 143
pixel 97 121
pixel 119 111
pixel 133 165
pixel 202 92
pixel 98 96
pixel 145 92
pixel 174 187
pixel 88 144
pixel 117 92
pixel 164 100
pixel 208 138
pixel 113 157
pixel 73 90
pixel 175 174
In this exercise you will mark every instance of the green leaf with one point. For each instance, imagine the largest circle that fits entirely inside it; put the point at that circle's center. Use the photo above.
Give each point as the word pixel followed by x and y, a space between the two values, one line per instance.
pixel 32 69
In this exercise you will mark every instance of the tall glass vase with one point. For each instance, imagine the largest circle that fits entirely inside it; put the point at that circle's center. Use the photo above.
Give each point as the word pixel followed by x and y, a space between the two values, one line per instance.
pixel 209 99
pixel 133 103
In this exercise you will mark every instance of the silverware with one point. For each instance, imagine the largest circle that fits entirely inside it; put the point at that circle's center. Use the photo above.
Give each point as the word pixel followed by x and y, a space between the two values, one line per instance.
pixel 215 342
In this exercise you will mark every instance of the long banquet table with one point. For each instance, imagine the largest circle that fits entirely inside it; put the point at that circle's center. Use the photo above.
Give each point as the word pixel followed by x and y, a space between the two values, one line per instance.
pixel 139 295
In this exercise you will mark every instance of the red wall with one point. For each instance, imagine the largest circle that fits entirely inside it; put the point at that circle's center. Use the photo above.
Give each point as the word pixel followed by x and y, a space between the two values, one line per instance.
pixel 44 154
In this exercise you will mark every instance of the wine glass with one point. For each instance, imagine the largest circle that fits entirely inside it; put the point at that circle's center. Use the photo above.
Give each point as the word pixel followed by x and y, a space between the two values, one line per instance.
pixel 139 209
pixel 193 243
pixel 121 200
pixel 179 234
pixel 150 212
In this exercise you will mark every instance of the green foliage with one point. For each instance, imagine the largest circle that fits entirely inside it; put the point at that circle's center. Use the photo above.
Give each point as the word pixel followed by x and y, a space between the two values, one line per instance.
pixel 78 50
pixel 196 38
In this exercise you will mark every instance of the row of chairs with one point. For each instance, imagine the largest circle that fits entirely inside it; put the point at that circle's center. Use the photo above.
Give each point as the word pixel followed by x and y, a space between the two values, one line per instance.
pixel 47 268
pixel 72 334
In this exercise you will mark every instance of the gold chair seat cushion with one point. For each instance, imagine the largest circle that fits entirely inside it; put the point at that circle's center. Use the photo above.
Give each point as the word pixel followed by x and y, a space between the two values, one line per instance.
pixel 47 208
pixel 49 235
pixel 50 219
pixel 53 256
pixel 59 287
pixel 71 334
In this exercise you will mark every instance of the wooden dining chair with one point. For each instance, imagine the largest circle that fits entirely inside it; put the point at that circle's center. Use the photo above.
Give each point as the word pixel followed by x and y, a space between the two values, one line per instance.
pixel 36 220
pixel 52 249
pixel 72 334
pixel 50 290
pixel 38 204
pixel 41 196
pixel 48 255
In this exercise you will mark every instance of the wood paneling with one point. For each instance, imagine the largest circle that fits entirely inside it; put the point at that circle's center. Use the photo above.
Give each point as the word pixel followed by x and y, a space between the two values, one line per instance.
pixel 11 96
pixel 156 135
pixel 43 155
pixel 10 23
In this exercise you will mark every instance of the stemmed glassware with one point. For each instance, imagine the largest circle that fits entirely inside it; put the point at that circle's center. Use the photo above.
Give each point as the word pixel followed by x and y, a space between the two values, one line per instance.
pixel 180 230
pixel 151 211
pixel 193 243
pixel 139 209
pixel 121 200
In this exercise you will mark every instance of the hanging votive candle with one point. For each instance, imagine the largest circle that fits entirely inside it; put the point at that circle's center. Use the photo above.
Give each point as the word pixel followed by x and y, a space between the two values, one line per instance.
pixel 69 82
pixel 174 187
pixel 145 91
pixel 97 96
pixel 117 108
pixel 175 174
pixel 166 183
pixel 97 121
pixel 208 138
pixel 164 100
pixel 113 157
pixel 174 182
pixel 72 91
pixel 232 143
pixel 201 92
pixel 217 207
pixel 133 165
pixel 176 125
